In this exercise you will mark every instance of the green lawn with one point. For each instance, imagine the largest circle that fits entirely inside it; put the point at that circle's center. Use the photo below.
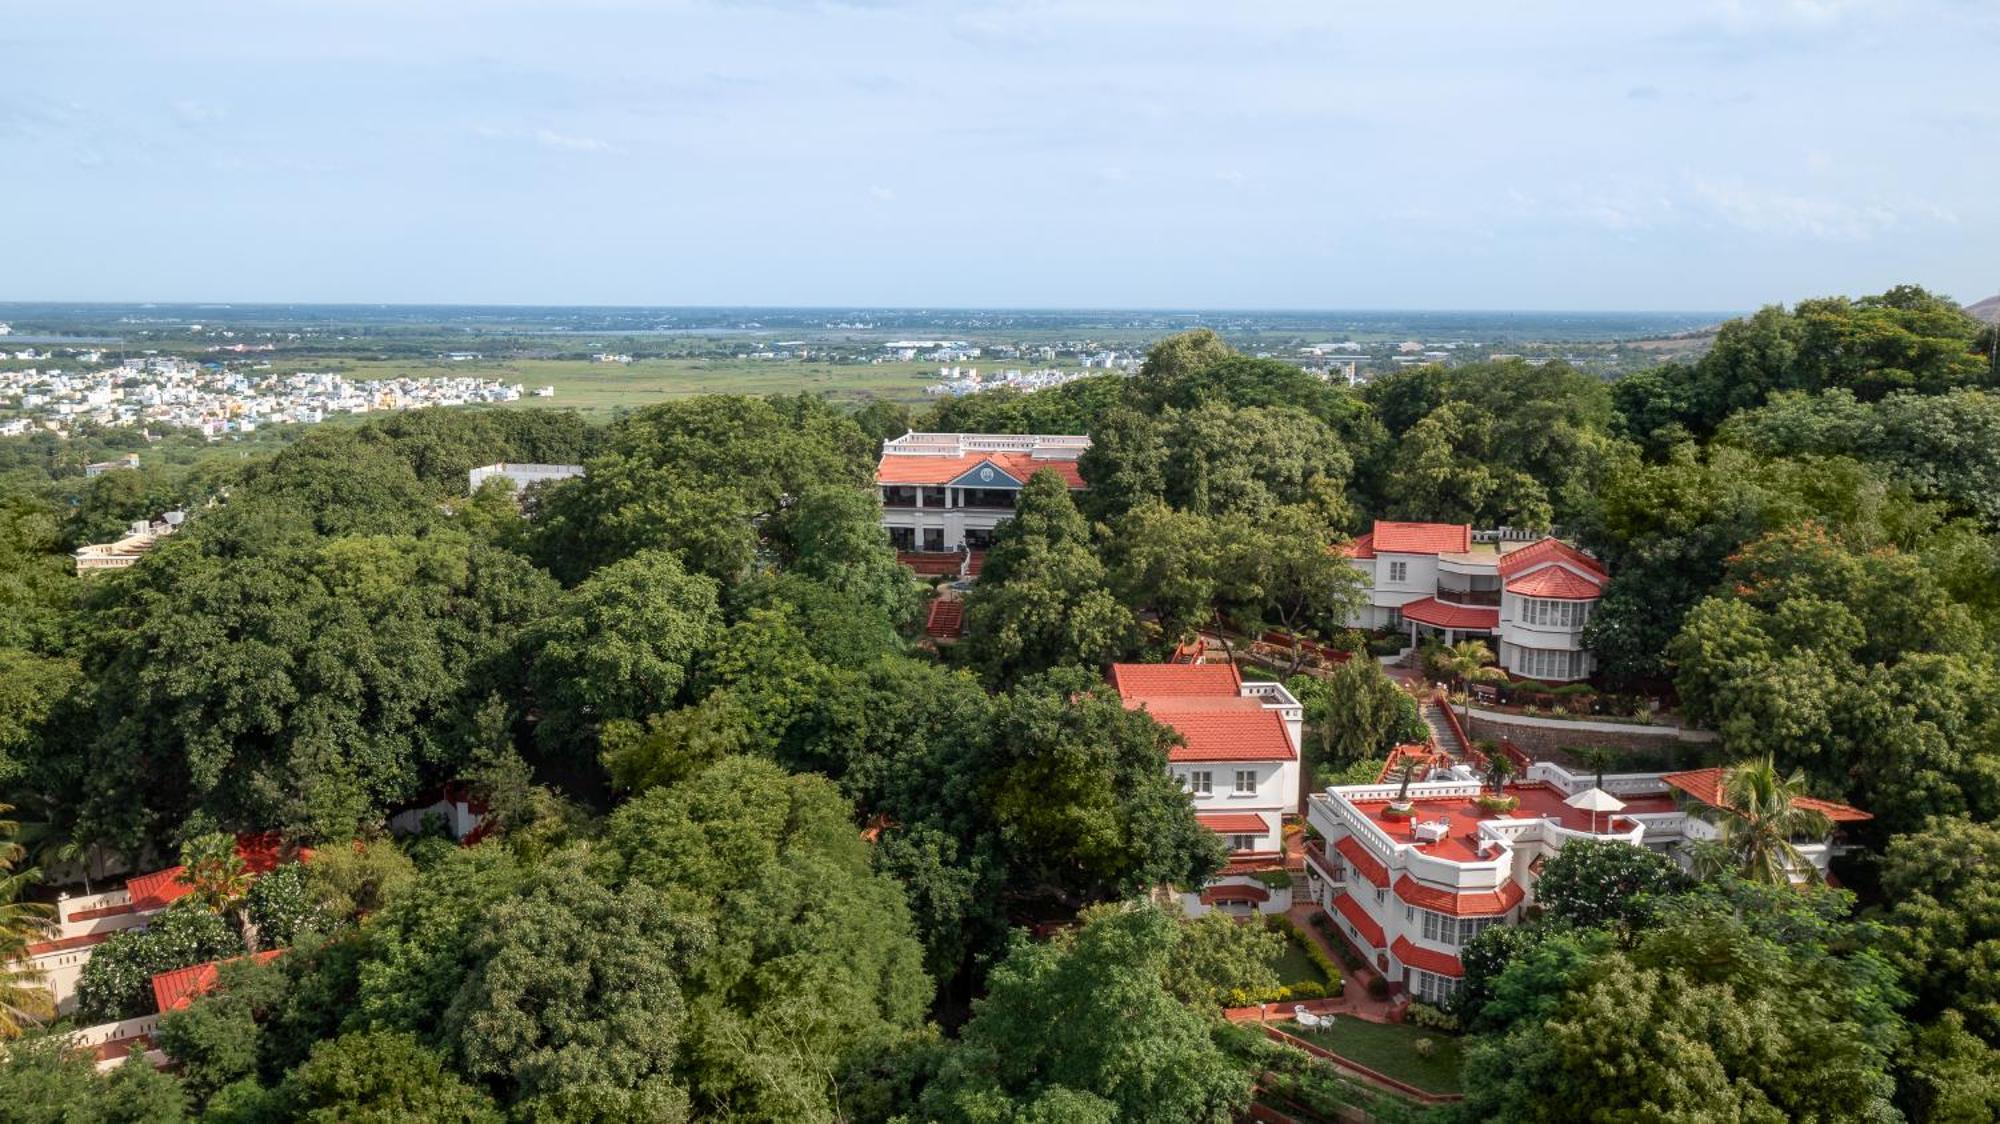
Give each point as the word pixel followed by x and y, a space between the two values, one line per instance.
pixel 1386 1049
pixel 1296 967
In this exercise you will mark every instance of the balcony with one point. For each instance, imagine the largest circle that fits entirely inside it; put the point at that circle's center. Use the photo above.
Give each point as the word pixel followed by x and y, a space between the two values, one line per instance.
pixel 1477 598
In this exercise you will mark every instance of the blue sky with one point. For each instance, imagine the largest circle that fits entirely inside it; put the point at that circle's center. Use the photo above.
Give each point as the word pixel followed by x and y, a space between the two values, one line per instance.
pixel 1598 154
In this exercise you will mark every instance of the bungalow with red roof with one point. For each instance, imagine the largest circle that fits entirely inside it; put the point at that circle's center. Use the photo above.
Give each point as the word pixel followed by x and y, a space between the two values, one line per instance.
pixel 1528 600
pixel 1409 884
pixel 1239 763
pixel 943 494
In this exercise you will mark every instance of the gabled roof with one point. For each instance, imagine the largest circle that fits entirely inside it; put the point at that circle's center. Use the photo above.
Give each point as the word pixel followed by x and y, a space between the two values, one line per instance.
pixel 182 986
pixel 1439 614
pixel 1705 785
pixel 1557 583
pixel 1363 547
pixel 939 471
pixel 1483 904
pixel 1364 864
pixel 1421 538
pixel 1357 916
pixel 1213 733
pixel 1550 549
pixel 1168 680
pixel 1233 823
pixel 1415 956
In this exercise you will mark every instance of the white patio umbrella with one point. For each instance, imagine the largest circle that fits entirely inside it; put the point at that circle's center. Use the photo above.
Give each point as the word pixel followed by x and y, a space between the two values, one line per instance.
pixel 1595 800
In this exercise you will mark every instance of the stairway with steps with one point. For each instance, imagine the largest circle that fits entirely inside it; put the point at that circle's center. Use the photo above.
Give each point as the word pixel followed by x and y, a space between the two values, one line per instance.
pixel 1441 732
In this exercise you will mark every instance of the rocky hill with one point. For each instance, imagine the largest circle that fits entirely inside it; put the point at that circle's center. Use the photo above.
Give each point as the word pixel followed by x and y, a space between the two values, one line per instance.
pixel 1987 310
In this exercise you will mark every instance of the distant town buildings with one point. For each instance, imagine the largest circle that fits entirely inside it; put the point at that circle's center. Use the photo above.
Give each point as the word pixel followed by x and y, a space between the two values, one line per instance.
pixel 216 398
pixel 946 492
pixel 128 461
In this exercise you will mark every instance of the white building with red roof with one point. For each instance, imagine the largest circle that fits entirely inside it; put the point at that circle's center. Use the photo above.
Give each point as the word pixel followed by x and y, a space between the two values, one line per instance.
pixel 1528 600
pixel 1239 762
pixel 1409 886
pixel 945 493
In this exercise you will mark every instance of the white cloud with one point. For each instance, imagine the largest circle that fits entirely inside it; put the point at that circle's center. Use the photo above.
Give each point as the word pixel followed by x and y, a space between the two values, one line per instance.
pixel 549 138
pixel 882 194
pixel 1762 210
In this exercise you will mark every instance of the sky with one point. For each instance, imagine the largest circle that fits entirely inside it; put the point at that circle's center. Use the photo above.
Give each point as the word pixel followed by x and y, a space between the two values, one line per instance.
pixel 1329 154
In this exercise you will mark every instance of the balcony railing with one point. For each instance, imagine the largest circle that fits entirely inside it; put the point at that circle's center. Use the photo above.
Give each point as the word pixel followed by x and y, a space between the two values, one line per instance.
pixel 1483 598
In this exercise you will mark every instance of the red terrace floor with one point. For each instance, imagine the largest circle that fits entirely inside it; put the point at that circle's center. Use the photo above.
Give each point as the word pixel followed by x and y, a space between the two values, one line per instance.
pixel 1537 801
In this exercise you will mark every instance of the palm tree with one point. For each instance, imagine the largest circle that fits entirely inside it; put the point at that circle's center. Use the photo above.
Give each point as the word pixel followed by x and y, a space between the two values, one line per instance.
pixel 1596 758
pixel 24 994
pixel 219 878
pixel 1463 658
pixel 1499 767
pixel 1759 815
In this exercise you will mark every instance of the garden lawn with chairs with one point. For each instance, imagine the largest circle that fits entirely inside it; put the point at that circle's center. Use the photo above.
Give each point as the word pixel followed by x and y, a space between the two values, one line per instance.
pixel 1390 1049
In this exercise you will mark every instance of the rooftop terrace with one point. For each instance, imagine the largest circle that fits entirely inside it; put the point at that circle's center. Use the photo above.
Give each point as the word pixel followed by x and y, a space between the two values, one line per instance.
pixel 1462 815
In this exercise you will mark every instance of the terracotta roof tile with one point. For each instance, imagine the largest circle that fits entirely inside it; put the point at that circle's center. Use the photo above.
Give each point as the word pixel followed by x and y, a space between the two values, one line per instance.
pixel 1483 904
pixel 1431 611
pixel 1705 785
pixel 1550 549
pixel 1421 538
pixel 903 468
pixel 1557 583
pixel 1227 735
pixel 1164 680
pixel 1233 823
pixel 159 889
pixel 176 989
pixel 1357 915
pixel 1363 547
pixel 1416 956
pixel 1364 864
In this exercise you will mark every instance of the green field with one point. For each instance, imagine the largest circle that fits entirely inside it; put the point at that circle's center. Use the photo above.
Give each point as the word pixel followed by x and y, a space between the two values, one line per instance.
pixel 599 388
pixel 1386 1048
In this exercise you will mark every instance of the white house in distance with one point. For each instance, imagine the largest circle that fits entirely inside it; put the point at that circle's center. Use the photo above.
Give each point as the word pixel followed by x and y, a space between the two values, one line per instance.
pixel 519 475
pixel 1528 600
pixel 140 538
pixel 1409 891
pixel 946 492
pixel 1240 764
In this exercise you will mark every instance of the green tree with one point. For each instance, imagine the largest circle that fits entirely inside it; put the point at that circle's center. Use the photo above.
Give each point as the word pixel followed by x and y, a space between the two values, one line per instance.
pixel 45 1080
pixel 1366 714
pixel 117 982
pixel 1597 883
pixel 1086 1022
pixel 619 646
pixel 214 1040
pixel 1217 954
pixel 379 1077
pixel 24 997
pixel 1759 816
pixel 1943 910
pixel 834 535
pixel 217 878
pixel 1042 600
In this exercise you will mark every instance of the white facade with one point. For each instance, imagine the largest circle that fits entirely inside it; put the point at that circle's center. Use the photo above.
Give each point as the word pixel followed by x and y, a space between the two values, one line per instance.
pixel 948 492
pixel 519 475
pixel 1410 892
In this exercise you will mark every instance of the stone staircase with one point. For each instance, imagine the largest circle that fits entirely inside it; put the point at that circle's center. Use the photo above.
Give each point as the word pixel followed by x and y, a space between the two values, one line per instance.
pixel 1441 732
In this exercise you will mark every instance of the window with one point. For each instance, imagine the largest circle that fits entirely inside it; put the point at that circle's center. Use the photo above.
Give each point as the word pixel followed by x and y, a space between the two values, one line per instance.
pixel 1433 988
pixel 1549 663
pixel 933 497
pixel 1544 613
pixel 1381 895
pixel 1244 842
pixel 903 538
pixel 934 539
pixel 1201 782
pixel 1399 571
pixel 1246 782
pixel 1444 929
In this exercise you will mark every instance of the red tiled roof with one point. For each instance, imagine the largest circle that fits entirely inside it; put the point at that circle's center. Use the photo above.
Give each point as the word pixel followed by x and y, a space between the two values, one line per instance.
pixel 1413 956
pixel 1357 915
pixel 1549 550
pixel 176 989
pixel 106 911
pixel 1252 734
pixel 159 889
pixel 1363 547
pixel 1421 538
pixel 1235 893
pixel 1233 823
pixel 1557 583
pixel 1161 680
pixel 1431 611
pixel 1364 864
pixel 1483 904
pixel 946 620
pixel 906 469
pixel 1705 785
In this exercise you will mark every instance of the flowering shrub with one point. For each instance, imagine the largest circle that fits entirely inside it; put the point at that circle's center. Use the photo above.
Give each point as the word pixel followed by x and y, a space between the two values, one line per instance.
pixel 1422 1014
pixel 277 905
pixel 117 983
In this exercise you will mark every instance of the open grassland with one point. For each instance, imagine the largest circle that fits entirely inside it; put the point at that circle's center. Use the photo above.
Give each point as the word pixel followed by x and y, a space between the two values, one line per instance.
pixel 599 389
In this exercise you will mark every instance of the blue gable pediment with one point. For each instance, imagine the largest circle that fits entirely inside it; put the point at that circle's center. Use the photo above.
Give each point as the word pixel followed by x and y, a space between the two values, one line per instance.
pixel 986 474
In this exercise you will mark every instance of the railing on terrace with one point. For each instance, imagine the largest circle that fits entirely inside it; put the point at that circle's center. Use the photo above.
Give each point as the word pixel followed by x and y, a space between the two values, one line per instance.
pixel 1483 598
pixel 1627 784
pixel 1270 691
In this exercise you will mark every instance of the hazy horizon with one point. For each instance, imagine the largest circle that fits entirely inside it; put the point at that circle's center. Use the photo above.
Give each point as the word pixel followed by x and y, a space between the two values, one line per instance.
pixel 1103 154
